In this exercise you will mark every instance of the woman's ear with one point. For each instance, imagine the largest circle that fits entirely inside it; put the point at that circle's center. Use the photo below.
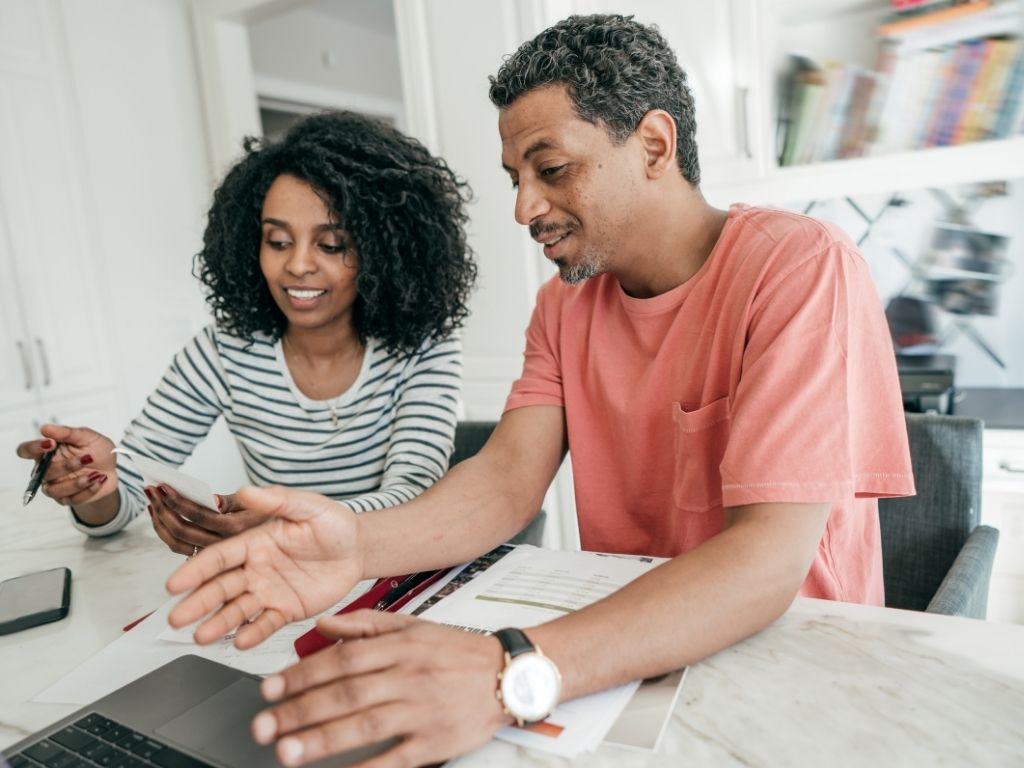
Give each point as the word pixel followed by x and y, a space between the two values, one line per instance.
pixel 657 133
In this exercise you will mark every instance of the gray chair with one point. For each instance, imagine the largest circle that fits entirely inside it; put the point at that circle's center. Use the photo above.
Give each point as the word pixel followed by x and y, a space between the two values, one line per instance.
pixel 470 437
pixel 935 556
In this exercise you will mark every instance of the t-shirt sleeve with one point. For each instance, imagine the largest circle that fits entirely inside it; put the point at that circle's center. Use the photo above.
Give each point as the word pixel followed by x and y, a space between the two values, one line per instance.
pixel 817 415
pixel 541 380
pixel 177 416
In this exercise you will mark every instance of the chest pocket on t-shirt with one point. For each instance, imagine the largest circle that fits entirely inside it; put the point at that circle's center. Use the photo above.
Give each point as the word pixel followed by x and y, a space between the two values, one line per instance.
pixel 700 440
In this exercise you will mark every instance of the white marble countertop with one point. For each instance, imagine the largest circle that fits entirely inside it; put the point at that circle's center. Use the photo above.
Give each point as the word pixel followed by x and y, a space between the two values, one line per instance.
pixel 828 684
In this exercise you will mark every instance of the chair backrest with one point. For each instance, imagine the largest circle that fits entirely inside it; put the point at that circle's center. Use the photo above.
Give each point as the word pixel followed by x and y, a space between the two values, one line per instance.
pixel 923 534
pixel 470 437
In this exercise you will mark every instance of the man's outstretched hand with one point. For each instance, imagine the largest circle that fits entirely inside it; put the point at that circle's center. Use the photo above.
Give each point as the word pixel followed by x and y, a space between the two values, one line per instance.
pixel 292 567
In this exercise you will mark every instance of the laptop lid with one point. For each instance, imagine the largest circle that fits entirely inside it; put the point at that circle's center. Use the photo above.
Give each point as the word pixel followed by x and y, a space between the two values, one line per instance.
pixel 197 706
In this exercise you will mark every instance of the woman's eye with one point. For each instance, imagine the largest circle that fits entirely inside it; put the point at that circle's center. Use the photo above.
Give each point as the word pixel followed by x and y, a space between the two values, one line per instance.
pixel 331 248
pixel 277 245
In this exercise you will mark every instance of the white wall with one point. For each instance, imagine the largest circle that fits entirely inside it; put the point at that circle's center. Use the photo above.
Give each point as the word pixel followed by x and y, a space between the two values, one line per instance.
pixel 293 46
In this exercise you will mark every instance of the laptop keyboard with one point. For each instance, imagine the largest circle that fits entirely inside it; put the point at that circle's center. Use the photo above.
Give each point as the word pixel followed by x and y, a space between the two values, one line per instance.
pixel 98 741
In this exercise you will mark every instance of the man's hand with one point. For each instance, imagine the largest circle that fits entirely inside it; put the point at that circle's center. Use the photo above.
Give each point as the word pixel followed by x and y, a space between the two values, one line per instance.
pixel 184 525
pixel 296 565
pixel 396 677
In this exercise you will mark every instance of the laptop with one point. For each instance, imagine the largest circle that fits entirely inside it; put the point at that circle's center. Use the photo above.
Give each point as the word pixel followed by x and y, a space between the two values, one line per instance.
pixel 190 712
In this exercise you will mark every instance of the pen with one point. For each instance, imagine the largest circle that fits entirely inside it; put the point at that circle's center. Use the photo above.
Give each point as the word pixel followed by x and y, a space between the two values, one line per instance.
pixel 403 588
pixel 38 473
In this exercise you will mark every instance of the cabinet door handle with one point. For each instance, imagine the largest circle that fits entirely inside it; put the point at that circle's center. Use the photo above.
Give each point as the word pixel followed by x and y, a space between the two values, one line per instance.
pixel 1008 467
pixel 26 366
pixel 44 360
pixel 743 119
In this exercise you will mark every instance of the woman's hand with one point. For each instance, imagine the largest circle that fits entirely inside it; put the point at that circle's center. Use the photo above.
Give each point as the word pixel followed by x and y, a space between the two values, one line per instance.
pixel 186 527
pixel 83 472
pixel 297 564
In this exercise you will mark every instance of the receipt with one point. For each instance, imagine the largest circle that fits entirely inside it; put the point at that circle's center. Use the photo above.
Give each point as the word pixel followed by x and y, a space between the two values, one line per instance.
pixel 155 473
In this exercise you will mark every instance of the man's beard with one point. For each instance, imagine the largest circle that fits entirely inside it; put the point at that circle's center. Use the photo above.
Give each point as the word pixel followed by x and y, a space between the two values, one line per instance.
pixel 590 265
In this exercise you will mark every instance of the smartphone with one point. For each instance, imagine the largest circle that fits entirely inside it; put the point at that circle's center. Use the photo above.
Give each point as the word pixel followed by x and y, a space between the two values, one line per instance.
pixel 33 599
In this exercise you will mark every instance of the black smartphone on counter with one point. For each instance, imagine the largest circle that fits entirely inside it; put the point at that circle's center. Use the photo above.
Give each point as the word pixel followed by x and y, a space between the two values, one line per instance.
pixel 33 599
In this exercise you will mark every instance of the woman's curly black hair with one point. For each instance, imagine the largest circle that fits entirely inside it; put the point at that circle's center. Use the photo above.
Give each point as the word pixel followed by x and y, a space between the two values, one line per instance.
pixel 616 69
pixel 404 208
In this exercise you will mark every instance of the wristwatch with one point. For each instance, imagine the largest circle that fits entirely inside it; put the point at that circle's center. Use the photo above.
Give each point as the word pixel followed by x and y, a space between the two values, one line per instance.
pixel 529 683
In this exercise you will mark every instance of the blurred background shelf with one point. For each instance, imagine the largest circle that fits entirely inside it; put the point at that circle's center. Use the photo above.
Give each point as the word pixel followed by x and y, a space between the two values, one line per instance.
pixel 915 169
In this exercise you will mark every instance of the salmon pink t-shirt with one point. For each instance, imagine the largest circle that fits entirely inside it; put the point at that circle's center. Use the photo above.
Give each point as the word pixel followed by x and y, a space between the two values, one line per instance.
pixel 769 376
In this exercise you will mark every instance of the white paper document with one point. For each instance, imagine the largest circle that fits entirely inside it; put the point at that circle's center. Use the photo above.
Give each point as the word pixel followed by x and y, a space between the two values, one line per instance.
pixel 155 473
pixel 529 586
pixel 152 643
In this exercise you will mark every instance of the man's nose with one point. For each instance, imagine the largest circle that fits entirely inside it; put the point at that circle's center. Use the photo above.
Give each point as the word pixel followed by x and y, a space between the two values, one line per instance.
pixel 531 203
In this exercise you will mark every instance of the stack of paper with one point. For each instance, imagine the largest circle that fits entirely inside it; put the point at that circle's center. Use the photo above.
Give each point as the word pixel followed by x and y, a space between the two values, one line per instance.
pixel 525 586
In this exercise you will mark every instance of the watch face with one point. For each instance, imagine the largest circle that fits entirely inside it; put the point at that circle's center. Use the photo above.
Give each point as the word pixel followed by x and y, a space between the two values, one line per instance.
pixel 530 686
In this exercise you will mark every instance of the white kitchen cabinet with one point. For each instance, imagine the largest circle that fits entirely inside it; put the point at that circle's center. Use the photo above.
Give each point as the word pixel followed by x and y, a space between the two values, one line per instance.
pixel 53 340
pixel 718 45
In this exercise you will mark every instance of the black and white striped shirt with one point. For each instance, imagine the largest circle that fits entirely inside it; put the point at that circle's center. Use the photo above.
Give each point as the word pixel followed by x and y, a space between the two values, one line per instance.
pixel 394 434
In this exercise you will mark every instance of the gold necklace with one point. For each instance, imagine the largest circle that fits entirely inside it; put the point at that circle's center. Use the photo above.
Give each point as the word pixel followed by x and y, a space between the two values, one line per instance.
pixel 332 405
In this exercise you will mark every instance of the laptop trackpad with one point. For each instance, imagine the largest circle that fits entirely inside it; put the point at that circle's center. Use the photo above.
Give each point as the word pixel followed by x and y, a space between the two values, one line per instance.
pixel 220 728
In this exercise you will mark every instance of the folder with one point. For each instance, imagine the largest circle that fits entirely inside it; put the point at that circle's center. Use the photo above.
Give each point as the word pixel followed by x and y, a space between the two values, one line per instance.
pixel 312 641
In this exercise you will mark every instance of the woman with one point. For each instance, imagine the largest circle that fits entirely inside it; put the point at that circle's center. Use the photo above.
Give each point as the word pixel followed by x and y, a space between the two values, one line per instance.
pixel 337 269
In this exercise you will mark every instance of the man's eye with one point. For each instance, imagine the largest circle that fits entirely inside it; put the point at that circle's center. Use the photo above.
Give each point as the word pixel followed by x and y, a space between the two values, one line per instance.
pixel 552 171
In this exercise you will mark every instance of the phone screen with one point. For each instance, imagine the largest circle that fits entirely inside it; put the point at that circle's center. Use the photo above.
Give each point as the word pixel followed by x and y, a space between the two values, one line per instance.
pixel 33 593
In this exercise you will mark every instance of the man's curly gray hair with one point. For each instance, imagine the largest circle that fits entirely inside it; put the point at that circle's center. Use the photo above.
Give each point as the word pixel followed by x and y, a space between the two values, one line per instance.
pixel 616 69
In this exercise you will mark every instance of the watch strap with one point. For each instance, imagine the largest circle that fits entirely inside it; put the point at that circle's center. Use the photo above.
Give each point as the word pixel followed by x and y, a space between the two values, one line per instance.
pixel 514 641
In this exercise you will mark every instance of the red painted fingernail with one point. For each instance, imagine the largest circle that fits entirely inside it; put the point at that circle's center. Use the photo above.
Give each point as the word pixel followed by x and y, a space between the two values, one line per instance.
pixel 87 459
pixel 161 489
pixel 97 477
pixel 47 444
pixel 149 494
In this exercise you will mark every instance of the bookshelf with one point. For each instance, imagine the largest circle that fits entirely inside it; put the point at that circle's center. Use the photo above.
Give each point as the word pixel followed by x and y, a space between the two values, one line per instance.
pixel 846 30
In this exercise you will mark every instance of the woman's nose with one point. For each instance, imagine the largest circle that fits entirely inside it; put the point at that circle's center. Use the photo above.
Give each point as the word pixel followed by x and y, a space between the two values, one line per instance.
pixel 301 260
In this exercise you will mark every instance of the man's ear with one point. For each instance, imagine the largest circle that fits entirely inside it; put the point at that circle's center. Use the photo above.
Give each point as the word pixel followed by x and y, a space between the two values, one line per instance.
pixel 657 134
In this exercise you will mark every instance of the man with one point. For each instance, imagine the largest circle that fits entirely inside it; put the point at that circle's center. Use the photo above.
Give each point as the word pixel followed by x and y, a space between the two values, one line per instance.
pixel 724 382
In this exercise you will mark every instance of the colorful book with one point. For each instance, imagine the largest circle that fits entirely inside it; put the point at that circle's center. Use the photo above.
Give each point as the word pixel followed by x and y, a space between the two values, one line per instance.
pixel 959 87
pixel 828 141
pixel 948 15
pixel 933 88
pixel 988 93
pixel 886 64
pixel 791 96
pixel 833 74
pixel 1008 116
pixel 853 135
pixel 809 92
